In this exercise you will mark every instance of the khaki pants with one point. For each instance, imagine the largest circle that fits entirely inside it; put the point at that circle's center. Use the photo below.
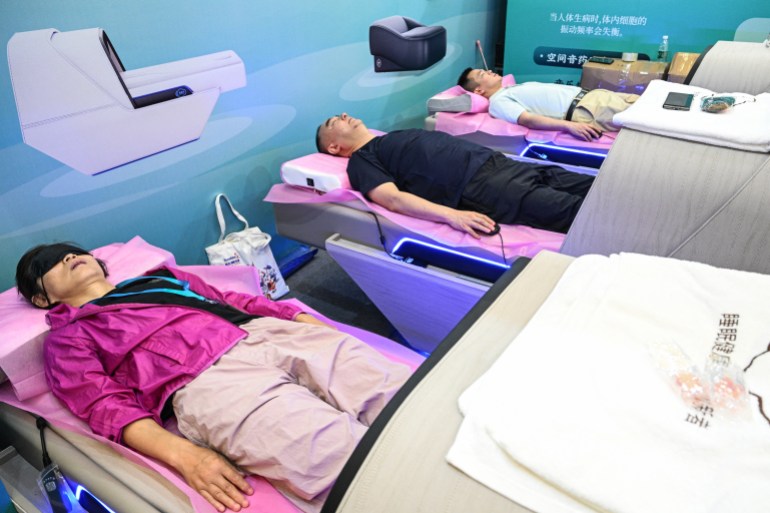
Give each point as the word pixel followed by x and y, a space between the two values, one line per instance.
pixel 289 403
pixel 598 107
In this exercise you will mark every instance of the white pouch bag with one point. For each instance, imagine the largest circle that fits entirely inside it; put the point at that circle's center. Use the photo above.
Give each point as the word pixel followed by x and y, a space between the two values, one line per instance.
pixel 249 246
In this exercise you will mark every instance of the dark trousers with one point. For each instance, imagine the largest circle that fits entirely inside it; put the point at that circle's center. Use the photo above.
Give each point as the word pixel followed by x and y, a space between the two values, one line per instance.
pixel 515 192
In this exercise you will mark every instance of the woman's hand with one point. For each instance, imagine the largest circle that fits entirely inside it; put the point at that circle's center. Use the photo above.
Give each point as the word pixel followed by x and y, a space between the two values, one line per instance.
pixel 211 475
pixel 309 319
pixel 206 471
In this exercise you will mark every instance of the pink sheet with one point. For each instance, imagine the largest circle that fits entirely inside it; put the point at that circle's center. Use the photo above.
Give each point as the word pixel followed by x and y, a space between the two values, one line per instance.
pixel 602 144
pixel 518 240
pixel 265 498
pixel 461 123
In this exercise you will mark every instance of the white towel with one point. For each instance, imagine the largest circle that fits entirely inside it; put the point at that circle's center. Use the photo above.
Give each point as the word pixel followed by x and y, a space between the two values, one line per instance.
pixel 578 401
pixel 745 126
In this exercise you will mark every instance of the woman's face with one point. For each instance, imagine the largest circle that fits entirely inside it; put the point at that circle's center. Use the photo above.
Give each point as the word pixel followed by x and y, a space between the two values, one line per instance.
pixel 69 278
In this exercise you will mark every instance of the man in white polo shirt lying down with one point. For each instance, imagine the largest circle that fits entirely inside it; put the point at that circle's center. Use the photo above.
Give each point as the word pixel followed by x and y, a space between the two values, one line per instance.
pixel 540 106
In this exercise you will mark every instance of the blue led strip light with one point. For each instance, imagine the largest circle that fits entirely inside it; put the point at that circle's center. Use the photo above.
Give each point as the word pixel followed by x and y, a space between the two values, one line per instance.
pixel 450 251
pixel 562 149
pixel 80 489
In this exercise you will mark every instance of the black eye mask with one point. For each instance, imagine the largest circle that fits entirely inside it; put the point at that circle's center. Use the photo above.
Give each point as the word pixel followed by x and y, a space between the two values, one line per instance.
pixel 51 255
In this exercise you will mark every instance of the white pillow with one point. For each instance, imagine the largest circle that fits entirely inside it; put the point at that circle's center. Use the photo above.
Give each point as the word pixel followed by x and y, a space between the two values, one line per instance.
pixel 317 171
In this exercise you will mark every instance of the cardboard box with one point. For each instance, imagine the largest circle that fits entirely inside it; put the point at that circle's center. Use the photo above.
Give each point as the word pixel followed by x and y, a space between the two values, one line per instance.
pixel 620 76
pixel 680 67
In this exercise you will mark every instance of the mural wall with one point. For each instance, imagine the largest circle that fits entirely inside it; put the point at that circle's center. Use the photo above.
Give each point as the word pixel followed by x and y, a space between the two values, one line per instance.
pixel 549 41
pixel 304 61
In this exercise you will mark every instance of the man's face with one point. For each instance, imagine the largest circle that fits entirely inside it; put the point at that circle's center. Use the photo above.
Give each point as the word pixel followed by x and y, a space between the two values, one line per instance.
pixel 341 130
pixel 342 125
pixel 486 80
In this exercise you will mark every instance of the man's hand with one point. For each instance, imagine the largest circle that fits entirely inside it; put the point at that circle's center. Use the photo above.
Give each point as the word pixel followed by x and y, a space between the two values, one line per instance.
pixel 206 471
pixel 583 131
pixel 388 196
pixel 470 222
pixel 309 319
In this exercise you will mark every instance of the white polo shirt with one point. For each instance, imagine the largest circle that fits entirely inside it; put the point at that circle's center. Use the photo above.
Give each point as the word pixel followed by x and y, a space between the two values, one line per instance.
pixel 551 100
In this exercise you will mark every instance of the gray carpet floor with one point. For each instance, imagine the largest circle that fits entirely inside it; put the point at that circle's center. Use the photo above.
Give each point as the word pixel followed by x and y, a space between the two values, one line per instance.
pixel 323 285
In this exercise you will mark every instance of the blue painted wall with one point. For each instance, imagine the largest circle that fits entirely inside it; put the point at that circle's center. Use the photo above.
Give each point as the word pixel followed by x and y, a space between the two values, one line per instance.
pixel 5 502
pixel 305 60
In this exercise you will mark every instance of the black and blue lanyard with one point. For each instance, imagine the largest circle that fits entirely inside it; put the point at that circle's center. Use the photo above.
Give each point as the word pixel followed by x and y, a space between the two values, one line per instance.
pixel 183 290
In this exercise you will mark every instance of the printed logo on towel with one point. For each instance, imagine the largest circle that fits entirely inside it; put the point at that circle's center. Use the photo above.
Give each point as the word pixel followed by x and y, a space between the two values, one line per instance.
pixel 725 391
pixel 727 334
pixel 700 416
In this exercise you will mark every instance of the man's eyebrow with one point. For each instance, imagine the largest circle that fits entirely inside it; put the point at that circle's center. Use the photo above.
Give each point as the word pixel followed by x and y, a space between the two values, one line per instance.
pixel 328 122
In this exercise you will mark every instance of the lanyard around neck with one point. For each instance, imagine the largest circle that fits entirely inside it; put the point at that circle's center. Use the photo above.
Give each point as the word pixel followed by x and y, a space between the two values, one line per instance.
pixel 184 291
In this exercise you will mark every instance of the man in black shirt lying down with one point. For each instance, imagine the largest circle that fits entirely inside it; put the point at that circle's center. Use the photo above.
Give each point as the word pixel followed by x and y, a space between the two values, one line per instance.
pixel 435 176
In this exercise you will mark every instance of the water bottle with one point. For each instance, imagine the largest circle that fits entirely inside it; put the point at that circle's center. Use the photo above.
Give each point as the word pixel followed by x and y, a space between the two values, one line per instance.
pixel 663 50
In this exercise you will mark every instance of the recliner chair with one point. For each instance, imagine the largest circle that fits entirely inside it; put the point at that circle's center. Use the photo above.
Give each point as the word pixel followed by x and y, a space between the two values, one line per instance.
pixel 78 104
pixel 399 43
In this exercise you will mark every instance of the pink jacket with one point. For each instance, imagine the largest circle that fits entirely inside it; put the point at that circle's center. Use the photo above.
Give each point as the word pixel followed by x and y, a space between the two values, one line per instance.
pixel 116 364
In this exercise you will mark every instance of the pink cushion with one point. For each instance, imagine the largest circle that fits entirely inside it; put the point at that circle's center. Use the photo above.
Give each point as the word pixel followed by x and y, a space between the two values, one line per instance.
pixel 236 278
pixel 25 327
pixel 478 102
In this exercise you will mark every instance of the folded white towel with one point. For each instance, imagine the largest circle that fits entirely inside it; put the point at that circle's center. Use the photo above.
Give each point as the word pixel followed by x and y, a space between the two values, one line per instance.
pixel 745 126
pixel 578 400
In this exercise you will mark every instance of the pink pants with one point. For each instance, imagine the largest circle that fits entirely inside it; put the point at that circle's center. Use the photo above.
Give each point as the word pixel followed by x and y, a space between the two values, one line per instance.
pixel 289 403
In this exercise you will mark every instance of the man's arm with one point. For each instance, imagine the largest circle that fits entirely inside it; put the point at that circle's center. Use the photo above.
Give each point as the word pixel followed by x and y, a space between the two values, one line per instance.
pixel 206 471
pixel 389 196
pixel 582 131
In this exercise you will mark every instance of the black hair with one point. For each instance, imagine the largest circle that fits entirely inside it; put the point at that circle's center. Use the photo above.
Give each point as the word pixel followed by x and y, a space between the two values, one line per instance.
pixel 318 143
pixel 466 82
pixel 38 261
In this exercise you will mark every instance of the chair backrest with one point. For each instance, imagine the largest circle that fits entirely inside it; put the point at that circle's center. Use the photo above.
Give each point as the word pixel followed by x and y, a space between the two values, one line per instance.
pixel 57 74
pixel 669 197
pixel 394 23
pixel 733 66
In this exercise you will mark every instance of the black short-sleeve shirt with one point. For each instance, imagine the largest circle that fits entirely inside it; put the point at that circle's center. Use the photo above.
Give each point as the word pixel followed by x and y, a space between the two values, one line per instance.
pixel 433 165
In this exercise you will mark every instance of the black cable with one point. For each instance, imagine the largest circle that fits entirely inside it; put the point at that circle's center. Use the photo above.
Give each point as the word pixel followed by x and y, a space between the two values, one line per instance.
pixel 502 247
pixel 379 229
pixel 41 425
pixel 408 260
